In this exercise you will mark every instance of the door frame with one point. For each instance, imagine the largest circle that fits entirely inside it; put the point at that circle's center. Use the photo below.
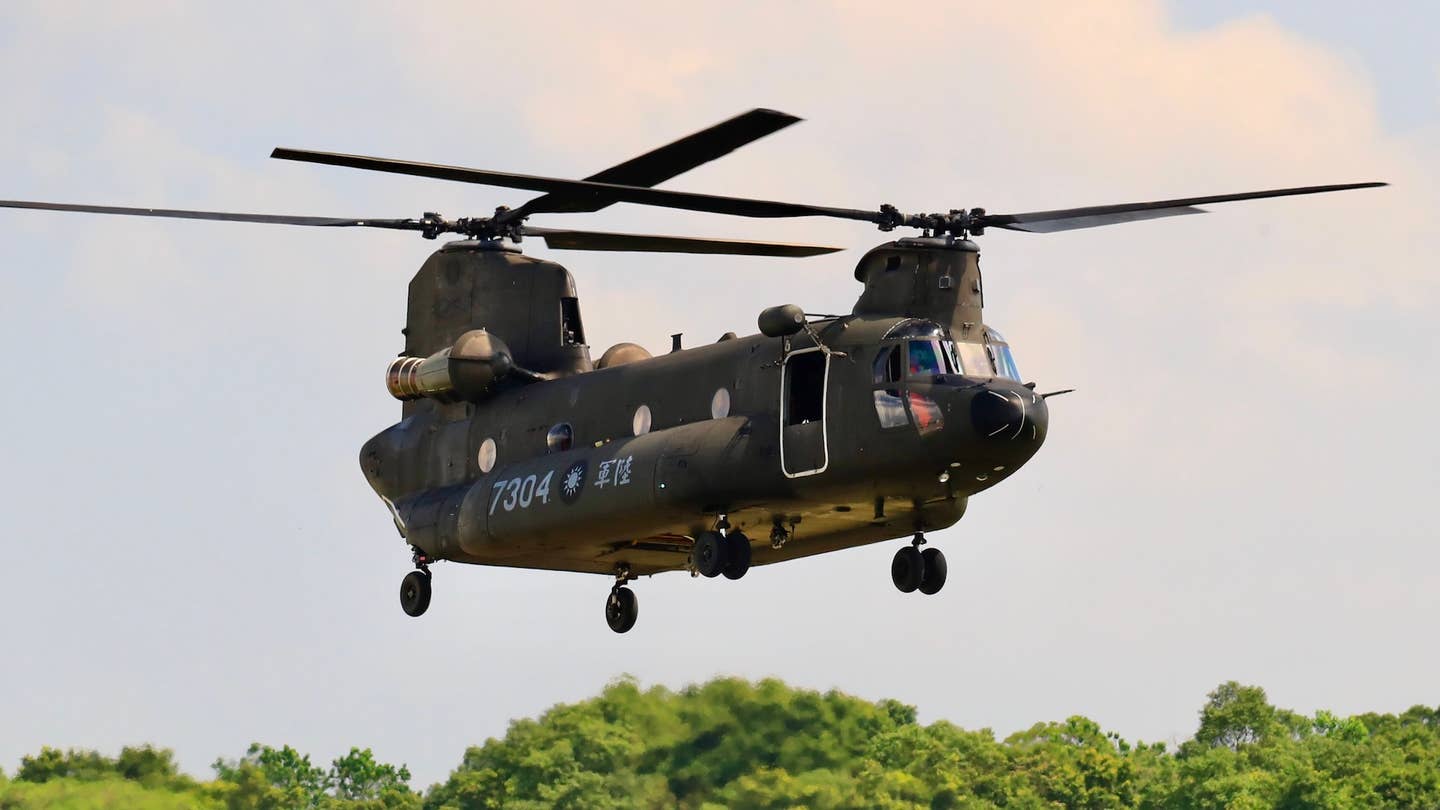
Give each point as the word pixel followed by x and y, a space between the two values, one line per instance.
pixel 824 414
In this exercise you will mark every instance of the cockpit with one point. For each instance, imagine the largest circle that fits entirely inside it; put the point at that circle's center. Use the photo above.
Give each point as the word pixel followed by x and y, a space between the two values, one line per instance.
pixel 920 351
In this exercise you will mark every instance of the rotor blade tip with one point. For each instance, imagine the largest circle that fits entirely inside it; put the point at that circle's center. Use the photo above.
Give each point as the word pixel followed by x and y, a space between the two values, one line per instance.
pixel 780 113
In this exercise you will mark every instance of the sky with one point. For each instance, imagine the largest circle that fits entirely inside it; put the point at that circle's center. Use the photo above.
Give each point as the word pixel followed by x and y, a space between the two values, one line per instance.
pixel 1241 488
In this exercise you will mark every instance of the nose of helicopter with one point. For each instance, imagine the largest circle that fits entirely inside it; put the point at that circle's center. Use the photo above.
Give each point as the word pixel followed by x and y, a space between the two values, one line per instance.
pixel 1009 414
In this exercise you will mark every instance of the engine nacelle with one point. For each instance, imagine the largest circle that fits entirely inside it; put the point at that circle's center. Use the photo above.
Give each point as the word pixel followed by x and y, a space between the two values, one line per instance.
pixel 468 370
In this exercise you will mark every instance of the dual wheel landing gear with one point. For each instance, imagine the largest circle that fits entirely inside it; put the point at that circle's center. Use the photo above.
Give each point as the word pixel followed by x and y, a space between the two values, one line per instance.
pixel 621 607
pixel 913 569
pixel 715 554
pixel 415 587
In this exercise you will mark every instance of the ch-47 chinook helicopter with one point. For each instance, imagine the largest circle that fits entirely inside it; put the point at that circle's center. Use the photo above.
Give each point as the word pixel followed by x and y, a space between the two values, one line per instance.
pixel 514 448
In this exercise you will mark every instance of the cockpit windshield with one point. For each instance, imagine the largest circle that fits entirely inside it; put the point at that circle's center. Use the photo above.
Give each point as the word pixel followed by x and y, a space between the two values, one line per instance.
pixel 1004 359
pixel 1005 362
pixel 992 358
pixel 974 360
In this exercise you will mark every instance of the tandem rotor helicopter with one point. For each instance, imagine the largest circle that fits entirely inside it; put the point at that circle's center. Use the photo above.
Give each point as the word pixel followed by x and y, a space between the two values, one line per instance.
pixel 823 432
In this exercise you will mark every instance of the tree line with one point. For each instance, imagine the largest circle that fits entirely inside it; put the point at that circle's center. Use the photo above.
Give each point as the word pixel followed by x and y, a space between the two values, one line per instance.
pixel 734 743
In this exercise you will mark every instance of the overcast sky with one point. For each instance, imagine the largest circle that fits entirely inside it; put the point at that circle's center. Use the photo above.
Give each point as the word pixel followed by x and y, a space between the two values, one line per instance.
pixel 1243 486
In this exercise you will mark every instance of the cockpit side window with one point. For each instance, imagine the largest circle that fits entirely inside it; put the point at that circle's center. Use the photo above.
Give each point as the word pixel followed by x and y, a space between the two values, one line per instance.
pixel 912 360
pixel 888 372
pixel 887 365
pixel 925 358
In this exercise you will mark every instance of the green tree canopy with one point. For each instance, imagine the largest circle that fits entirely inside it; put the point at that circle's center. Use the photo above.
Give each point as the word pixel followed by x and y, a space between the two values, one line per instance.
pixel 734 743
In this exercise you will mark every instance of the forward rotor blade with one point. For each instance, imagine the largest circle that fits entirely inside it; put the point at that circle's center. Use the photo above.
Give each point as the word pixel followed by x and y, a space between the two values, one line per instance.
pixel 220 216
pixel 581 189
pixel 1066 219
pixel 658 165
pixel 564 239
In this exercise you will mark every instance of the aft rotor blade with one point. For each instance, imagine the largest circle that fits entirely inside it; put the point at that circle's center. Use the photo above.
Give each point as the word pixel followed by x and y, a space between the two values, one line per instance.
pixel 581 189
pixel 220 216
pixel 1066 219
pixel 564 239
pixel 673 159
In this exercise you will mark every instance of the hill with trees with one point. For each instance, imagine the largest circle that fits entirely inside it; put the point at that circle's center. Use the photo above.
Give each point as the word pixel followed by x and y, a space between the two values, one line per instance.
pixel 733 743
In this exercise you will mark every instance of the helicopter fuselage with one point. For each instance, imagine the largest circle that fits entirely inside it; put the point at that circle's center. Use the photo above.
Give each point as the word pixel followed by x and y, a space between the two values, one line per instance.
pixel 515 448
pixel 840 436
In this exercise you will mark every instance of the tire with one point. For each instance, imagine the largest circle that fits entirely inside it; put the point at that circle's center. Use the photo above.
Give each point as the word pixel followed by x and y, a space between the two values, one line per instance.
pixel 907 569
pixel 415 593
pixel 709 554
pixel 933 579
pixel 737 555
pixel 621 610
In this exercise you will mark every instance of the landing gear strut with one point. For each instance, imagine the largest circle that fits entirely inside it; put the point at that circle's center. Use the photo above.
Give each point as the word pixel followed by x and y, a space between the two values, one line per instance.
pixel 621 608
pixel 415 587
pixel 913 569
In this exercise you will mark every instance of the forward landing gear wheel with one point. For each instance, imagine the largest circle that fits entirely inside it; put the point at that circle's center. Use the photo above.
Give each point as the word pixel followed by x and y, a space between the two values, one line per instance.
pixel 709 554
pixel 415 593
pixel 907 569
pixel 933 578
pixel 737 555
pixel 621 610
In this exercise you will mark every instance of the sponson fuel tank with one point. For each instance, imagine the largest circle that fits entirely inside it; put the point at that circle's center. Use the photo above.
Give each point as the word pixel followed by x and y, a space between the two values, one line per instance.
pixel 630 487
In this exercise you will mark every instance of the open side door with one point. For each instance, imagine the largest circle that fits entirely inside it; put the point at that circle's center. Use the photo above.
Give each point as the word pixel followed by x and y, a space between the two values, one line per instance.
pixel 803 440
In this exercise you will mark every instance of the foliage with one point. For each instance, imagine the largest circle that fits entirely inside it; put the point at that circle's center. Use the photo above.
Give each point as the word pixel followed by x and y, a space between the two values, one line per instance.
pixel 283 778
pixel 730 743
pixel 265 778
pixel 733 743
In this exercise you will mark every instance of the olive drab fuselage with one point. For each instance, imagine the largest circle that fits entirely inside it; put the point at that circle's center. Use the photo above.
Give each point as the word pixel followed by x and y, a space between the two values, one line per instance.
pixel 857 429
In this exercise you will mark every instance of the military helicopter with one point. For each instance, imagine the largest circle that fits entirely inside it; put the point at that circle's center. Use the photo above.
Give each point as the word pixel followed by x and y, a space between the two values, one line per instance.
pixel 822 432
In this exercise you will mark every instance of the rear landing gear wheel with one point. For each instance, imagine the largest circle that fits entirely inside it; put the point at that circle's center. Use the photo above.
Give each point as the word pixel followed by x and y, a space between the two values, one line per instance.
pixel 737 555
pixel 415 593
pixel 907 570
pixel 933 578
pixel 709 554
pixel 621 609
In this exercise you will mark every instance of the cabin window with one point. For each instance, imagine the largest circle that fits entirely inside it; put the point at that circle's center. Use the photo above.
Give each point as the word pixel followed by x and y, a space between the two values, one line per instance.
pixel 720 404
pixel 805 388
pixel 486 456
pixel 560 438
pixel 572 333
pixel 640 423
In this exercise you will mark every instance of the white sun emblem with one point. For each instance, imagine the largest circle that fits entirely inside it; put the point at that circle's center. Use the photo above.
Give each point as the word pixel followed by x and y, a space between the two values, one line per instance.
pixel 572 481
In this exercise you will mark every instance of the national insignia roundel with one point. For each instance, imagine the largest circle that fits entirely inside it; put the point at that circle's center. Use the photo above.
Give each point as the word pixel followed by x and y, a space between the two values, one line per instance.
pixel 572 483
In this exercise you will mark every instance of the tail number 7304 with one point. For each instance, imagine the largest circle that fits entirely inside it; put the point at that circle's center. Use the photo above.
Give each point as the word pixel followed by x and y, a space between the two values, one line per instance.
pixel 512 493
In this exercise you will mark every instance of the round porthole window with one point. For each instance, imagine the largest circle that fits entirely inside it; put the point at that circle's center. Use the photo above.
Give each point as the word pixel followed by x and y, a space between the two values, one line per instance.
pixel 560 438
pixel 720 404
pixel 640 425
pixel 487 455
